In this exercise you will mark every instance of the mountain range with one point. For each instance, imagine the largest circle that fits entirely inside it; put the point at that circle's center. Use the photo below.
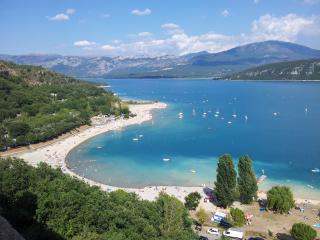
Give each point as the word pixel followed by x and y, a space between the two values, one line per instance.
pixel 195 65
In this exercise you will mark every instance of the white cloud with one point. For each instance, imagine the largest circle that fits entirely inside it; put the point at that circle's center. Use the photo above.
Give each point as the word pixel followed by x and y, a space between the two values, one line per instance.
pixel 70 11
pixel 144 34
pixel 59 17
pixel 286 28
pixel 170 26
pixel 63 16
pixel 138 12
pixel 84 43
pixel 108 47
pixel 225 13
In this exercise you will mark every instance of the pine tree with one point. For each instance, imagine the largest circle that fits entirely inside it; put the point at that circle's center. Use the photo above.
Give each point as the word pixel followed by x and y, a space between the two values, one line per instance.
pixel 247 182
pixel 226 182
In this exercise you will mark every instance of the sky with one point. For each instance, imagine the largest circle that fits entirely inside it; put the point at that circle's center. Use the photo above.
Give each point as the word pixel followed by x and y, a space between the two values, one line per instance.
pixel 152 27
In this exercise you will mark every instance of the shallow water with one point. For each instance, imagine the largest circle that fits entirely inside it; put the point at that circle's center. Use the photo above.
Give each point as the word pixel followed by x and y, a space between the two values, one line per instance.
pixel 281 134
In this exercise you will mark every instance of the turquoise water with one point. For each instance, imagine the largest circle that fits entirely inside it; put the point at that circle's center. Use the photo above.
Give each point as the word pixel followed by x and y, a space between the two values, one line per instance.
pixel 281 134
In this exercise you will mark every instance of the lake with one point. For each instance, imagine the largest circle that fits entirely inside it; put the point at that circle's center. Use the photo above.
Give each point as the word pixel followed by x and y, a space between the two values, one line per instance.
pixel 276 123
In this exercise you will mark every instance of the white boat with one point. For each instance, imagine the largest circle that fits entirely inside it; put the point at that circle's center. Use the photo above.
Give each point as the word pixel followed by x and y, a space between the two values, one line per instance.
pixel 166 159
pixel 229 122
pixel 99 147
pixel 234 115
pixel 135 139
pixel 140 136
pixel 275 113
pixel 193 171
pixel 310 186
pixel 194 112
pixel 246 117
pixel 306 109
pixel 217 112
pixel 315 170
pixel 216 115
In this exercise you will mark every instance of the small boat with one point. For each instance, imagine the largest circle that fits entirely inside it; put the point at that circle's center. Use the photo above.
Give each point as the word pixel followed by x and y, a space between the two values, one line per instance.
pixel 99 147
pixel 315 170
pixel 234 115
pixel 275 113
pixel 140 136
pixel 194 112
pixel 222 118
pixel 310 186
pixel 166 159
pixel 217 112
pixel 229 122
pixel 306 109
pixel 246 117
pixel 135 139
pixel 193 171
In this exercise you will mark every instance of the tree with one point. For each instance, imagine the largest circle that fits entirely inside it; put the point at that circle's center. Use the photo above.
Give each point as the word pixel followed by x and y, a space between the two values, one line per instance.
pixel 237 216
pixel 202 216
pixel 192 200
pixel 174 217
pixel 247 182
pixel 280 199
pixel 301 231
pixel 225 184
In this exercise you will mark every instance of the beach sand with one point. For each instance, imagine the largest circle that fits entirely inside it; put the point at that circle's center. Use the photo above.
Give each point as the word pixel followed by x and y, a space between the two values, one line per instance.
pixel 55 155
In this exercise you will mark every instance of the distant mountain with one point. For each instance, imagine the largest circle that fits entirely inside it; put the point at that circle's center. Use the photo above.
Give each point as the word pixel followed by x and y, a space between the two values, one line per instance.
pixel 295 70
pixel 202 64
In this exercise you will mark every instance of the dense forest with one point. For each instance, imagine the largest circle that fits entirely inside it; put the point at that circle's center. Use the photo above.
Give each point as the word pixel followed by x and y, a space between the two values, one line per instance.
pixel 37 104
pixel 44 203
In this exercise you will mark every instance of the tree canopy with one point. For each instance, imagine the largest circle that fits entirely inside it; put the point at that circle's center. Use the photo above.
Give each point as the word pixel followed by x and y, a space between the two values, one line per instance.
pixel 247 182
pixel 280 199
pixel 192 200
pixel 302 231
pixel 44 203
pixel 225 185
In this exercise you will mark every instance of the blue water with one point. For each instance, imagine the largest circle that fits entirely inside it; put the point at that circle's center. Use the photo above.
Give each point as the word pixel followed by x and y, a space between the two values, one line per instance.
pixel 286 146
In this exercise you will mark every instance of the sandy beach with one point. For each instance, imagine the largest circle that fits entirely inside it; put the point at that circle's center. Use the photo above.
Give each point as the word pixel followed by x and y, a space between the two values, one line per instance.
pixel 55 155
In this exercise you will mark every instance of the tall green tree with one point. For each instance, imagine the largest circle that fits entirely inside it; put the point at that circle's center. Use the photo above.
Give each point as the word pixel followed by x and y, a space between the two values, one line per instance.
pixel 247 182
pixel 280 199
pixel 225 185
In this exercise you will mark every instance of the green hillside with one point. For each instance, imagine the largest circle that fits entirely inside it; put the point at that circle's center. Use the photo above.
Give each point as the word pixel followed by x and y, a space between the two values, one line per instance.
pixel 37 104
pixel 295 70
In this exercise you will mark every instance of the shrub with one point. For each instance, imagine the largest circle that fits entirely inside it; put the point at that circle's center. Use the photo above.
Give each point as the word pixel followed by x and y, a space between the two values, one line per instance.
pixel 280 199
pixel 301 231
pixel 237 216
pixel 202 216
pixel 192 200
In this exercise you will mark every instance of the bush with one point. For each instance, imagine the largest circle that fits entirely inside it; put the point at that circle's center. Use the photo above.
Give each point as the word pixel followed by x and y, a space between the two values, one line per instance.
pixel 238 218
pixel 280 199
pixel 192 200
pixel 202 216
pixel 301 231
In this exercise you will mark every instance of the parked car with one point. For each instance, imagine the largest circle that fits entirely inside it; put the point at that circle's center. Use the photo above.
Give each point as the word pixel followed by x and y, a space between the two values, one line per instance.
pixel 213 231
pixel 203 238
pixel 234 233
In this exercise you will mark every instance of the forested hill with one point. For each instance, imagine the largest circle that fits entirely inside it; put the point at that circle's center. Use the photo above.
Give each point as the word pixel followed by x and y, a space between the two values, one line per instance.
pixel 37 104
pixel 294 70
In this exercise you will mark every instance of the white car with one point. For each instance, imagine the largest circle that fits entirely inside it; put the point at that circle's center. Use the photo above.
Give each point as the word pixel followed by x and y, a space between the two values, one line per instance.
pixel 213 231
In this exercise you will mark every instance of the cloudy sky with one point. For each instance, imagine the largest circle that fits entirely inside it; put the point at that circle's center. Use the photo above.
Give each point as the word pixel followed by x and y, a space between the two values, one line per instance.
pixel 152 27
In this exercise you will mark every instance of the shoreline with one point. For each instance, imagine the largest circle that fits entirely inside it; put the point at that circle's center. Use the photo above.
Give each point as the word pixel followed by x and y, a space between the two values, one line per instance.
pixel 55 155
